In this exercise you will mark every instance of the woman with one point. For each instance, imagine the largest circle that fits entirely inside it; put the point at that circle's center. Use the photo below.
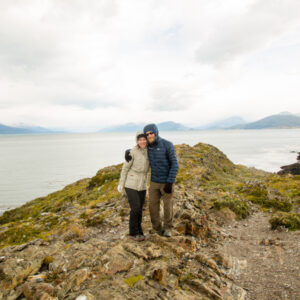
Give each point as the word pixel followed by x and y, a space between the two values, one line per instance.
pixel 134 179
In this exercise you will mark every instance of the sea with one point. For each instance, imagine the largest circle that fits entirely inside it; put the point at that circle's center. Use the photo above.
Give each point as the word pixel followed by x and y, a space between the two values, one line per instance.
pixel 35 165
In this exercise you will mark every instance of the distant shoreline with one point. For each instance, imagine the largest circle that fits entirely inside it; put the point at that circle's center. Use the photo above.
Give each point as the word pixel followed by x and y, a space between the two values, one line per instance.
pixel 189 130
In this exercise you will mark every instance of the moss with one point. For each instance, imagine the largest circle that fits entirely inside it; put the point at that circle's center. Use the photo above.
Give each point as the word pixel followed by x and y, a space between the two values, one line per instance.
pixel 239 207
pixel 133 280
pixel 289 186
pixel 19 213
pixel 54 202
pixel 283 205
pixel 19 235
pixel 186 277
pixel 96 220
pixel 48 260
pixel 288 220
pixel 57 275
pixel 76 229
pixel 105 175
pixel 258 194
pixel 123 212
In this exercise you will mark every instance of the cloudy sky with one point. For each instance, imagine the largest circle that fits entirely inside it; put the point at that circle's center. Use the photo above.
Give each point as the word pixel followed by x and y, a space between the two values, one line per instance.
pixel 86 64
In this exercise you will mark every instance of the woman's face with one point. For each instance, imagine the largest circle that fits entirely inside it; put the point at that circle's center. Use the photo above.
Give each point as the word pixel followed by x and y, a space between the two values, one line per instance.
pixel 142 142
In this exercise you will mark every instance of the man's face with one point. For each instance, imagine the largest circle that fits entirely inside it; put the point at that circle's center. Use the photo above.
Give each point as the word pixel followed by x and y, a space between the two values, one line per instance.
pixel 150 136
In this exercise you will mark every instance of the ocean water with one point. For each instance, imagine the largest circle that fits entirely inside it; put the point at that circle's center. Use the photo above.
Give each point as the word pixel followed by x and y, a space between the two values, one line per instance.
pixel 32 166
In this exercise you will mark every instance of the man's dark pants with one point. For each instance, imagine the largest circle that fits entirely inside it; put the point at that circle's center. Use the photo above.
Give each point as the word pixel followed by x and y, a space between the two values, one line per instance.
pixel 157 193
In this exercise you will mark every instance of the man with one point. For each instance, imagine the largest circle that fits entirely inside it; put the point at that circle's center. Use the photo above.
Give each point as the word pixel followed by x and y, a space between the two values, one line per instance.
pixel 164 168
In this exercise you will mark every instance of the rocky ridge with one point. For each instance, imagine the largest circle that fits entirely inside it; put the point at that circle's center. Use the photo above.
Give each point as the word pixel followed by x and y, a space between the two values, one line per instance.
pixel 73 244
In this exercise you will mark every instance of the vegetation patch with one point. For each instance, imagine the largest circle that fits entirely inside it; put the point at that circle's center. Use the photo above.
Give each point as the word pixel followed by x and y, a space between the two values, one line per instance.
pixel 288 186
pixel 17 235
pixel 288 220
pixel 258 193
pixel 283 205
pixel 133 280
pixel 239 207
pixel 105 175
pixel 96 220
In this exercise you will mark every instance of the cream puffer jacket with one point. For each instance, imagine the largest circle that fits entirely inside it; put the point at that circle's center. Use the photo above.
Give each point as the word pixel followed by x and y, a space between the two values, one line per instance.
pixel 134 173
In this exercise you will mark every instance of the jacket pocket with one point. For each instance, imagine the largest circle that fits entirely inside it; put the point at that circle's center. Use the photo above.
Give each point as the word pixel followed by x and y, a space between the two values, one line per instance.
pixel 131 180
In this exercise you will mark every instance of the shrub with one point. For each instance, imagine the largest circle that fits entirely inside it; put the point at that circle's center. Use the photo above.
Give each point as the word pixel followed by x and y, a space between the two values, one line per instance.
pixel 239 207
pixel 288 220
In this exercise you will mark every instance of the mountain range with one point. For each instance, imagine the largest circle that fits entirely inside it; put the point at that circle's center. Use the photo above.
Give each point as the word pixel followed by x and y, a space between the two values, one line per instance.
pixel 281 120
pixel 23 129
pixel 164 126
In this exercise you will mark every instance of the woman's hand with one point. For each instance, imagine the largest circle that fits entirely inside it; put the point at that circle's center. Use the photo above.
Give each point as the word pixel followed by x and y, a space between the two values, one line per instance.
pixel 120 188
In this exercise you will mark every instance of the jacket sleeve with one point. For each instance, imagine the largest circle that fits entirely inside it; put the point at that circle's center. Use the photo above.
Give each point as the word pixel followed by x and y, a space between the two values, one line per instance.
pixel 125 169
pixel 174 163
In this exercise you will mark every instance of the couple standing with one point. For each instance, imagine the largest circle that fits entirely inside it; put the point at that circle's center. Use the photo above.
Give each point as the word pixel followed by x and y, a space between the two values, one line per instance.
pixel 160 154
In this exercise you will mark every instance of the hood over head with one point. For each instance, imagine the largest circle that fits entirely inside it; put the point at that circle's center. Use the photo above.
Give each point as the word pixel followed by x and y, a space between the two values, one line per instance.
pixel 151 127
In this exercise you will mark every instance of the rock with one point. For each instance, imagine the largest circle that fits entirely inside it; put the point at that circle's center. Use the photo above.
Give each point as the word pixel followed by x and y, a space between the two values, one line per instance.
pixel 136 250
pixel 153 251
pixel 116 260
pixel 206 290
pixel 37 291
pixel 160 275
pixel 187 243
pixel 73 281
pixel 85 296
pixel 37 278
pixel 13 271
pixel 265 242
pixel 293 169
pixel 79 276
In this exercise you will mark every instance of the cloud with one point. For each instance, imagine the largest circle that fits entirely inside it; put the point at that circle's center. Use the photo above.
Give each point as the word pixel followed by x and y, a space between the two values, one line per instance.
pixel 169 96
pixel 91 64
pixel 241 33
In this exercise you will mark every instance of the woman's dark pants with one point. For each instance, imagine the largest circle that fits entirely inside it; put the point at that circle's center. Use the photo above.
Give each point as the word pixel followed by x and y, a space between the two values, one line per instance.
pixel 136 201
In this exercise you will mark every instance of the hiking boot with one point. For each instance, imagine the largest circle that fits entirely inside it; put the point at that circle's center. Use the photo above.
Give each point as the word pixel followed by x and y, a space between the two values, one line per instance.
pixel 137 238
pixel 141 237
pixel 167 233
pixel 159 231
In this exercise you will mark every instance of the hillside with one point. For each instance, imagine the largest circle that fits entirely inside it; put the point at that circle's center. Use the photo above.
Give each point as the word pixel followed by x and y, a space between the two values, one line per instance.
pixel 284 120
pixel 12 130
pixel 73 244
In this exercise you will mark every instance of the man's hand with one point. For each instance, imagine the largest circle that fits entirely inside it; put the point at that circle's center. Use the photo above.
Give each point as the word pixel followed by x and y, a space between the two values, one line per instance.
pixel 168 188
pixel 120 188
pixel 128 157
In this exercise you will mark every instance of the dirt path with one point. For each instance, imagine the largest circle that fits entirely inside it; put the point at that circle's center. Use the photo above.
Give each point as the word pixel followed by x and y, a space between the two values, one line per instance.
pixel 266 263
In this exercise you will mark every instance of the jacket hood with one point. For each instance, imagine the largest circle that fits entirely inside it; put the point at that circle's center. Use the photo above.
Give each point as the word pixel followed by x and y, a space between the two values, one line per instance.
pixel 151 127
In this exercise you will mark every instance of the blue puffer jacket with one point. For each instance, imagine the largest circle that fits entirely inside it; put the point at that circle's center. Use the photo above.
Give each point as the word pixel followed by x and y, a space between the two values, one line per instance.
pixel 162 158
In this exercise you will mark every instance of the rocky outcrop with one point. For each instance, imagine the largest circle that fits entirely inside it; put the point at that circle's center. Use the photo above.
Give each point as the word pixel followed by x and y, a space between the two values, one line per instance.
pixel 73 244
pixel 293 169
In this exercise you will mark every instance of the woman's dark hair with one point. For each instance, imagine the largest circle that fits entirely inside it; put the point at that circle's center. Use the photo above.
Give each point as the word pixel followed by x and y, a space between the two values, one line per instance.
pixel 140 136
